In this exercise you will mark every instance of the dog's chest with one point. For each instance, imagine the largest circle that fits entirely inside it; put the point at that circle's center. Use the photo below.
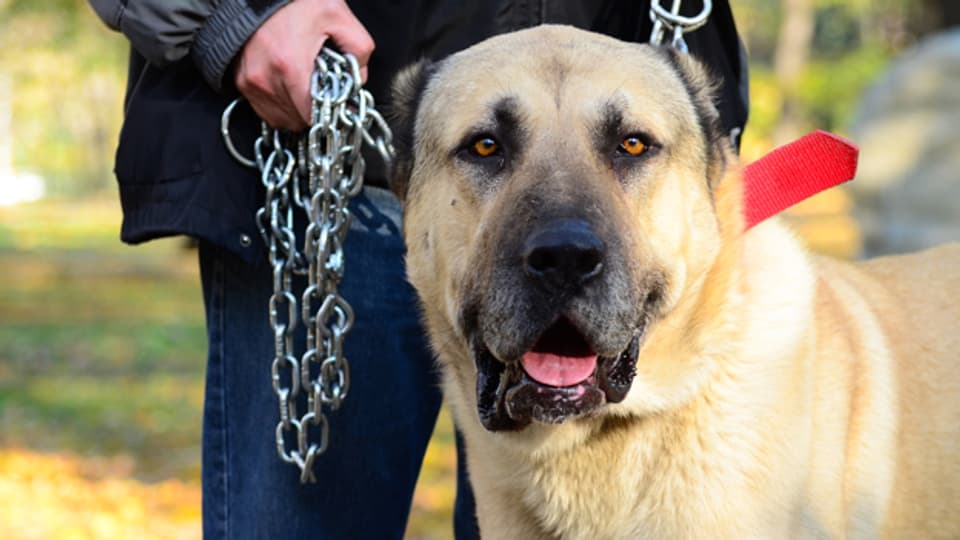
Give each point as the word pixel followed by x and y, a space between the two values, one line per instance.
pixel 578 499
pixel 638 493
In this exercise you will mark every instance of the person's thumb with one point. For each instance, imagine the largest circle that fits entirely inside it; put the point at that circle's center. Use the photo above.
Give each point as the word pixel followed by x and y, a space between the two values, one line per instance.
pixel 354 39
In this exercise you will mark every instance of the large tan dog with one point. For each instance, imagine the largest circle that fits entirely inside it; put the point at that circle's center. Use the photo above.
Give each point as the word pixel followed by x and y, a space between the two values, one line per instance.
pixel 623 359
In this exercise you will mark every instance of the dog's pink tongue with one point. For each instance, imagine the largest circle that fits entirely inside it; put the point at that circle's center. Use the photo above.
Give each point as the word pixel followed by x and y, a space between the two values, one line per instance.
pixel 556 370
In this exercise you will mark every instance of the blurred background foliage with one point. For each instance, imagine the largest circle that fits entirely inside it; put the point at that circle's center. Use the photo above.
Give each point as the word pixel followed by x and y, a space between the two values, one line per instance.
pixel 102 346
pixel 67 73
pixel 810 60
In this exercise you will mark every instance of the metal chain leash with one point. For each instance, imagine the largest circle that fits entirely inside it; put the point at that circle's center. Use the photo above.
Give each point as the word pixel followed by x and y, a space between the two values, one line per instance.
pixel 314 173
pixel 664 20
pixel 679 25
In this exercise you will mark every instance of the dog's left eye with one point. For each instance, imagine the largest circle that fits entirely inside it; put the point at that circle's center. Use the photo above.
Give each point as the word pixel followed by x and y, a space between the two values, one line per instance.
pixel 632 145
pixel 483 151
pixel 484 147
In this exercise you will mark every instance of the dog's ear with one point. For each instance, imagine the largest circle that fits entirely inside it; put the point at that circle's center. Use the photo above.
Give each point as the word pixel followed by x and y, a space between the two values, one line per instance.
pixel 702 88
pixel 408 88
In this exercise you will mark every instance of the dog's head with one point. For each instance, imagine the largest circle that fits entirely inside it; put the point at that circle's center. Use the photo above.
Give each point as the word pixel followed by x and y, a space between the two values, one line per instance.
pixel 561 200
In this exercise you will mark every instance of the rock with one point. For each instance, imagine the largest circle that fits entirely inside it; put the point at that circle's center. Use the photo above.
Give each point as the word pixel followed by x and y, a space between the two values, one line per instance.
pixel 907 190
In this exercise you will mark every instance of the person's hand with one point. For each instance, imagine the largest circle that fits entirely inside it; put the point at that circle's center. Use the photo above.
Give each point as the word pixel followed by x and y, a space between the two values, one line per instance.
pixel 276 63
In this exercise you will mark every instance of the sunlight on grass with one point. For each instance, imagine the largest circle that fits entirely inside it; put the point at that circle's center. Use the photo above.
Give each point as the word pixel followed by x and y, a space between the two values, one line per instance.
pixel 431 516
pixel 63 496
pixel 62 224
pixel 102 353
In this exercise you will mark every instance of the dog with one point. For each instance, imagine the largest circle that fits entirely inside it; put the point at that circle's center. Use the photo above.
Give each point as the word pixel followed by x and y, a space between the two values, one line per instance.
pixel 623 358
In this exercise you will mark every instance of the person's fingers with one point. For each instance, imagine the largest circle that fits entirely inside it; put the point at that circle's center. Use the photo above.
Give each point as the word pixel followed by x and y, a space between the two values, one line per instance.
pixel 276 64
pixel 351 37
pixel 280 115
pixel 258 79
pixel 298 90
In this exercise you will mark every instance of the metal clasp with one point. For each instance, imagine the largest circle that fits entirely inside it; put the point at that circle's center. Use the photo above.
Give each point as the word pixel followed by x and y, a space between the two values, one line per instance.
pixel 676 24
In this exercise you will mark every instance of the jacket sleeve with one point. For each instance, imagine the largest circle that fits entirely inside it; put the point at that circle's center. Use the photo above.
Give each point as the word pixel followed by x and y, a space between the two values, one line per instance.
pixel 226 30
pixel 165 31
pixel 160 30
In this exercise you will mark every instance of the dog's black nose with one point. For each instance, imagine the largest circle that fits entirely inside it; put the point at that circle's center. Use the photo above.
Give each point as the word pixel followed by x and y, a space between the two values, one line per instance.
pixel 563 253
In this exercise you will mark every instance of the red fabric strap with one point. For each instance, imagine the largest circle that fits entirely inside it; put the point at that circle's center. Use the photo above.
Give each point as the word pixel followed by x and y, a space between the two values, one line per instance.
pixel 796 171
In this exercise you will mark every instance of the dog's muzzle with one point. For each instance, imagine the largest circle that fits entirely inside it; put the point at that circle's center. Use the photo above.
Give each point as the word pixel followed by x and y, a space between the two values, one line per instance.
pixel 557 380
pixel 553 371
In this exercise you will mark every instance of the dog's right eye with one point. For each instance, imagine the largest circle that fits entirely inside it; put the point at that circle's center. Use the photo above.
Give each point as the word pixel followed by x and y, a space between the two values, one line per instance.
pixel 633 145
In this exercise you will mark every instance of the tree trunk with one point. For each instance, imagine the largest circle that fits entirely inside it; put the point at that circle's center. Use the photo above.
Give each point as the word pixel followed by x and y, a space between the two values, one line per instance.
pixel 789 61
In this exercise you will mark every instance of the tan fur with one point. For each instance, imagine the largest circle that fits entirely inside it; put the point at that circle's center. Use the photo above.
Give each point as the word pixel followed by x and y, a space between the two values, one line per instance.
pixel 779 395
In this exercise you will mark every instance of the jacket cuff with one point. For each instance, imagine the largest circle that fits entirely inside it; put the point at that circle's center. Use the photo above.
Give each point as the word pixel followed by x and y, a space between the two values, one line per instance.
pixel 111 13
pixel 225 32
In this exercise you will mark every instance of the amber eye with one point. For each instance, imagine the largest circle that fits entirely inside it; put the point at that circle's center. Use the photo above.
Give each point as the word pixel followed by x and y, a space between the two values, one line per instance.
pixel 633 146
pixel 485 147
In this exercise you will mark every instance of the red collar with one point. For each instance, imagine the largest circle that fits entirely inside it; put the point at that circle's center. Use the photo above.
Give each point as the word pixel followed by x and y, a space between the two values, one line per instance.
pixel 796 171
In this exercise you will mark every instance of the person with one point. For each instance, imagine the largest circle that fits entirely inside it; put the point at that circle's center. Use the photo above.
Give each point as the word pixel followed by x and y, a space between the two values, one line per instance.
pixel 189 59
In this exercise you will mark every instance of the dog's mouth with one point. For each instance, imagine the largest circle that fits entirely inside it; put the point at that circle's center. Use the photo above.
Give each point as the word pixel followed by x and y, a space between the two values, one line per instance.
pixel 561 377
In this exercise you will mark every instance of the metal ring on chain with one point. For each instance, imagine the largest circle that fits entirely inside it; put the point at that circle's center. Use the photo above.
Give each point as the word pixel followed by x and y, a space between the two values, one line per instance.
pixel 227 140
pixel 679 25
pixel 674 18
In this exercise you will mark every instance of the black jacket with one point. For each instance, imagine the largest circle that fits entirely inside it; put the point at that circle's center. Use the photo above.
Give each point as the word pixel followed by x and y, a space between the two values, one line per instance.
pixel 175 174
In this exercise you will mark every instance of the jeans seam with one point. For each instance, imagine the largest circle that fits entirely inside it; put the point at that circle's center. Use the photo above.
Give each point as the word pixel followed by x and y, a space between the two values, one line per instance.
pixel 216 458
pixel 220 291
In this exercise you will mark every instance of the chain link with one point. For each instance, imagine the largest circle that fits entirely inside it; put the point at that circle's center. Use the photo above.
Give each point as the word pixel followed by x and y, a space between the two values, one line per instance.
pixel 676 24
pixel 315 174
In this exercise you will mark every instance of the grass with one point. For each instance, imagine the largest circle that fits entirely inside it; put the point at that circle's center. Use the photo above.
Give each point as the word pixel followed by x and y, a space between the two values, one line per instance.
pixel 102 357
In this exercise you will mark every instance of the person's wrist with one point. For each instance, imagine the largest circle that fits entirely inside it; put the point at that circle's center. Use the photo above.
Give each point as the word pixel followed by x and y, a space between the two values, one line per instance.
pixel 220 40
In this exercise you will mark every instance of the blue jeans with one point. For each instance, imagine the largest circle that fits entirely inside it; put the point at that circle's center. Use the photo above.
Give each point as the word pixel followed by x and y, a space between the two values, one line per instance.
pixel 377 438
